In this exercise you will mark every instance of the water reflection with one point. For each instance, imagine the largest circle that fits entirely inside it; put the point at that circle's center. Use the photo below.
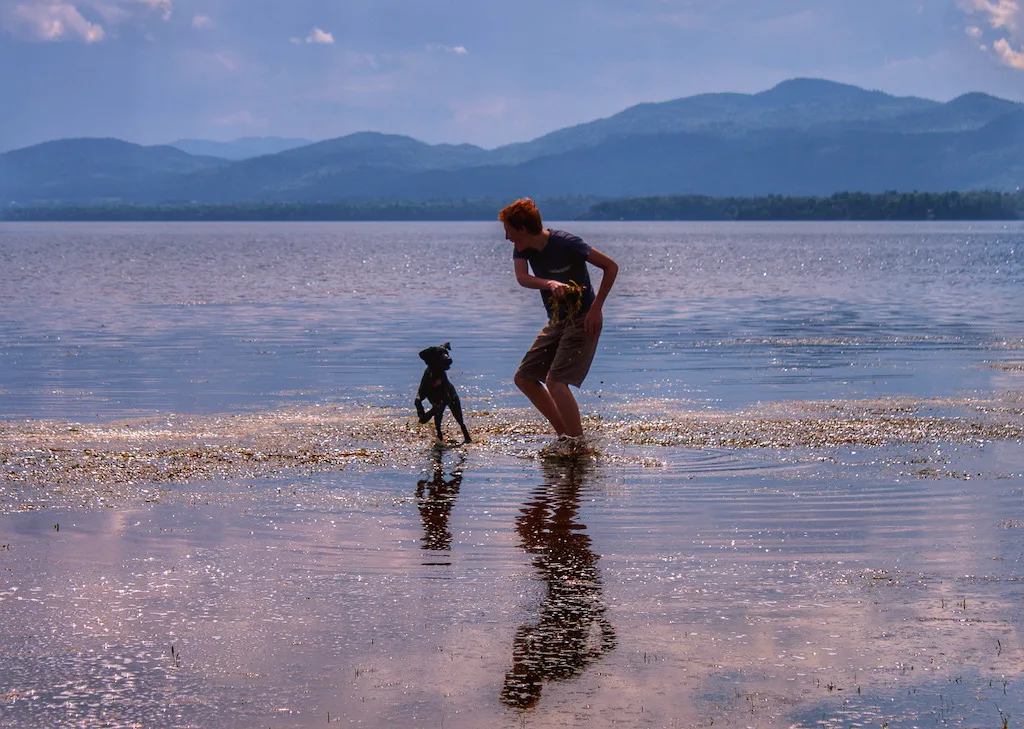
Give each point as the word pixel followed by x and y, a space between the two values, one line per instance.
pixel 435 497
pixel 571 630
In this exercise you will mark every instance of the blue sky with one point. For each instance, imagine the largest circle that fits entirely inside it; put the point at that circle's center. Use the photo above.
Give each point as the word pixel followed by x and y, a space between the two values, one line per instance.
pixel 477 71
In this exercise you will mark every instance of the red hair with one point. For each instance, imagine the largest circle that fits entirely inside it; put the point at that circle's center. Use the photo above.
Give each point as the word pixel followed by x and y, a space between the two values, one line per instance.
pixel 522 214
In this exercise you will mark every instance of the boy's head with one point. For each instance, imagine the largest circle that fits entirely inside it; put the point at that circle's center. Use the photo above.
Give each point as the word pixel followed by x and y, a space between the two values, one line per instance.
pixel 521 217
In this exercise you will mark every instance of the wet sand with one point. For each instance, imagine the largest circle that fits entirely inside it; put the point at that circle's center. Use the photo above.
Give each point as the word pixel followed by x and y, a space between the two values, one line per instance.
pixel 809 564
pixel 46 463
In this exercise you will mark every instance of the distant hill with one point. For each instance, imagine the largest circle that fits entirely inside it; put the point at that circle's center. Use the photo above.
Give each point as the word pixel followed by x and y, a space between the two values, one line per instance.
pixel 802 137
pixel 342 168
pixel 789 162
pixel 92 169
pixel 964 113
pixel 239 149
pixel 794 104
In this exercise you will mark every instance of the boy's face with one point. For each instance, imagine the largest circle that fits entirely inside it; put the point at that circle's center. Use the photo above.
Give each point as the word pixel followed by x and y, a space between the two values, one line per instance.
pixel 518 236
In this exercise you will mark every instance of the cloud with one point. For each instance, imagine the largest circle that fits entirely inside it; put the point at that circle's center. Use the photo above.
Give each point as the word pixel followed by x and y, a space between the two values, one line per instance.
pixel 1007 55
pixel 315 36
pixel 319 36
pixel 61 20
pixel 117 11
pixel 437 47
pixel 51 22
pixel 1006 19
pixel 165 6
pixel 202 22
pixel 1000 13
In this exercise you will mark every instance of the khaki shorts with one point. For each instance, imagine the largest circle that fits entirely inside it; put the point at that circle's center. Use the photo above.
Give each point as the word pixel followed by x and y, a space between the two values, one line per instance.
pixel 562 352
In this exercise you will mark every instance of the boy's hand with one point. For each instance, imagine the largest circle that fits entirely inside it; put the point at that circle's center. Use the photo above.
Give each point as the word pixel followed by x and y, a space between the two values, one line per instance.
pixel 557 288
pixel 593 322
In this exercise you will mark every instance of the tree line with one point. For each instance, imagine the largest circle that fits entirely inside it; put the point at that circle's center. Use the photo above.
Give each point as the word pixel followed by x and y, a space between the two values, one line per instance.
pixel 892 205
pixel 563 208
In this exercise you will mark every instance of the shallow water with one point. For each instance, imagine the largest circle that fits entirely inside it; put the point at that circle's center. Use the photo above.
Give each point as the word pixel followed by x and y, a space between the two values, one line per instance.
pixel 808 509
pixel 760 589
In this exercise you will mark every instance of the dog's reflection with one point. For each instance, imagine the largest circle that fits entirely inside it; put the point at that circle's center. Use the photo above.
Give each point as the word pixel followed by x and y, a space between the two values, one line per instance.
pixel 571 630
pixel 435 497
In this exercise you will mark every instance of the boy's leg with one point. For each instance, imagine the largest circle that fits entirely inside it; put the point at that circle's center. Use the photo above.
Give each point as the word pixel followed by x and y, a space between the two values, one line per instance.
pixel 576 349
pixel 543 401
pixel 565 404
pixel 534 369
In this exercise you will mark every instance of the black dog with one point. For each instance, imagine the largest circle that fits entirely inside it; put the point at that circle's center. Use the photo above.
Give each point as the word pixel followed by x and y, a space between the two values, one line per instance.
pixel 436 388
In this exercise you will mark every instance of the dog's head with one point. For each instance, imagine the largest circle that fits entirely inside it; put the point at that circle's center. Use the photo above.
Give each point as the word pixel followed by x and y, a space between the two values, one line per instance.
pixel 437 358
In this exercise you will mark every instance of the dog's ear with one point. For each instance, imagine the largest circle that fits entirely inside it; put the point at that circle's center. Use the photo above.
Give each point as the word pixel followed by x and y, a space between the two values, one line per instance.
pixel 448 346
pixel 425 354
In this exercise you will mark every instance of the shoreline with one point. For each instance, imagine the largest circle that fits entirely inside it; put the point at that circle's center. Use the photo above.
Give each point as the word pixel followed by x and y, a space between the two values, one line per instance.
pixel 952 205
pixel 51 462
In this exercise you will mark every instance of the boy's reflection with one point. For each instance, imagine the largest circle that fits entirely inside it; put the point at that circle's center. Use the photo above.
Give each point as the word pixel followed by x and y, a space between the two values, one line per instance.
pixel 571 631
pixel 435 497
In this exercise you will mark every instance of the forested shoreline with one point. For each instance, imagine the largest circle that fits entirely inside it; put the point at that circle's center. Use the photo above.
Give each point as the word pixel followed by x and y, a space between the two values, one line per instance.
pixel 841 206
pixel 975 205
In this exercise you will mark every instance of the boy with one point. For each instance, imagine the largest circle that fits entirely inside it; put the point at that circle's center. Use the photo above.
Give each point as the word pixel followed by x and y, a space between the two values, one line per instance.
pixel 563 351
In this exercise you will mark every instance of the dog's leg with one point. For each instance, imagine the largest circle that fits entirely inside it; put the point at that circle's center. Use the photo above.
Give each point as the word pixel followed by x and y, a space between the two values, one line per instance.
pixel 456 405
pixel 438 411
pixel 431 413
pixel 420 412
pixel 422 393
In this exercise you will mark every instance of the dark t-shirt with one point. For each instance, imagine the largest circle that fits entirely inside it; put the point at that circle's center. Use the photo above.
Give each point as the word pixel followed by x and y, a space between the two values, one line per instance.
pixel 564 259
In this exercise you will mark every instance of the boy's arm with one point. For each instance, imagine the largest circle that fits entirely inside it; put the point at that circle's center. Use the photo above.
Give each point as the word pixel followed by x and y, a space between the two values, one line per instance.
pixel 610 268
pixel 533 282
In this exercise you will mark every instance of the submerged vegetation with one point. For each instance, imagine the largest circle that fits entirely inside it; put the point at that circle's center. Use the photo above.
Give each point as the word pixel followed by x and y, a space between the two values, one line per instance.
pixel 47 463
pixel 891 205
pixel 568 303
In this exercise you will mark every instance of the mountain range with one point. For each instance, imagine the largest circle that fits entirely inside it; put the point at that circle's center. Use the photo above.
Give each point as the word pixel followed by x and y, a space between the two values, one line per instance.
pixel 239 149
pixel 802 137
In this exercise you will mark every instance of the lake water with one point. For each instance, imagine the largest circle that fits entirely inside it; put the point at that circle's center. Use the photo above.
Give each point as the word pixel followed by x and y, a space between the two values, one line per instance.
pixel 101 320
pixel 808 510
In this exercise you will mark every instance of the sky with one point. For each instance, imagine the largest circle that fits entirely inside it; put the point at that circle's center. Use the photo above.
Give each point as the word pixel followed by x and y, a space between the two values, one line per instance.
pixel 462 71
